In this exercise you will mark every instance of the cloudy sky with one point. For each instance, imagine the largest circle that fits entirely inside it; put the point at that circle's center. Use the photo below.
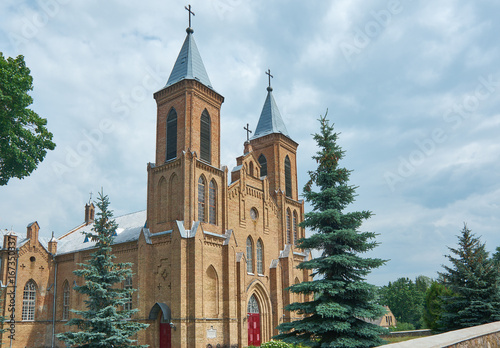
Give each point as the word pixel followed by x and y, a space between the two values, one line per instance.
pixel 412 86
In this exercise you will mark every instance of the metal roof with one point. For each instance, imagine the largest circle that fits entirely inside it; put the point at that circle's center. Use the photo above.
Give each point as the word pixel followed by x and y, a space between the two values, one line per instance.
pixel 270 120
pixel 189 64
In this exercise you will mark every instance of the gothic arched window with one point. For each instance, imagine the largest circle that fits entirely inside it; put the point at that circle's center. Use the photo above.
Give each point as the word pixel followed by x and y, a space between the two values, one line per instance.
pixel 263 165
pixel 201 199
pixel 127 285
pixel 288 177
pixel 253 305
pixel 171 135
pixel 288 227
pixel 66 293
pixel 295 228
pixel 249 255
pixel 205 136
pixel 29 301
pixel 260 257
pixel 212 203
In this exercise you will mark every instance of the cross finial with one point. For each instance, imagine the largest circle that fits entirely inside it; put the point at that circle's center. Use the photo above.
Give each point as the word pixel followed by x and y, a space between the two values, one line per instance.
pixel 188 8
pixel 268 73
pixel 90 199
pixel 247 128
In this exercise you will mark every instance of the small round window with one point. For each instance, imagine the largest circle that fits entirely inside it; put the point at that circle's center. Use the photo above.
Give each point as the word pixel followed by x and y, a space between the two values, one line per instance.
pixel 254 214
pixel 32 259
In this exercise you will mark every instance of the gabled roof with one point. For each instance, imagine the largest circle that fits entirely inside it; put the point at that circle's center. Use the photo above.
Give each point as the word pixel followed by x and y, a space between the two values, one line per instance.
pixel 129 229
pixel 270 120
pixel 189 64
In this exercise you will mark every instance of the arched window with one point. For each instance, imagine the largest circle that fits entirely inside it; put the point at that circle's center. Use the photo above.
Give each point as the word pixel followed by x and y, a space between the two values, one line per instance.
pixel 249 255
pixel 253 305
pixel 263 165
pixel 288 227
pixel 250 171
pixel 201 199
pixel 127 285
pixel 205 136
pixel 29 301
pixel 171 135
pixel 288 177
pixel 260 268
pixel 66 293
pixel 295 228
pixel 212 203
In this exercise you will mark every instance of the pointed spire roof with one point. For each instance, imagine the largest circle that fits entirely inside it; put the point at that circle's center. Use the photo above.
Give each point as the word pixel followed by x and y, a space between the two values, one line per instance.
pixel 270 120
pixel 189 64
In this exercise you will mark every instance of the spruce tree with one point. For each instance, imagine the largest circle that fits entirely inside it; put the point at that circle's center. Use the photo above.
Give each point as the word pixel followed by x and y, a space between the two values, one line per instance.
pixel 342 301
pixel 474 280
pixel 104 323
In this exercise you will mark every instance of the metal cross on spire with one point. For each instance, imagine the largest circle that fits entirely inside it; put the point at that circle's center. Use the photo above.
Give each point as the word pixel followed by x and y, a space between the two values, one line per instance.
pixel 190 13
pixel 247 128
pixel 90 199
pixel 268 73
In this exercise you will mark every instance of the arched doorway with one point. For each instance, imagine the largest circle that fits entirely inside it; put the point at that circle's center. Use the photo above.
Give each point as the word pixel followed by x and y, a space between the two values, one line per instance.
pixel 165 334
pixel 253 322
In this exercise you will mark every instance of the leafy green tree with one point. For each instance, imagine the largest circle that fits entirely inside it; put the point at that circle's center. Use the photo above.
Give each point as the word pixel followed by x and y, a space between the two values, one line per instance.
pixel 433 306
pixel 405 299
pixel 335 316
pixel 104 323
pixel 24 139
pixel 473 278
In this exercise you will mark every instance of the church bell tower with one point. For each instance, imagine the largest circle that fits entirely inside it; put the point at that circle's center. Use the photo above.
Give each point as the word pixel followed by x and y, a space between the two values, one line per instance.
pixel 186 180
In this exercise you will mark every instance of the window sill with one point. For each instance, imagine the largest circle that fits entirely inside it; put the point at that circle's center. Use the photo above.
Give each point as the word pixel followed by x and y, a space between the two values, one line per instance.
pixel 261 275
pixel 250 274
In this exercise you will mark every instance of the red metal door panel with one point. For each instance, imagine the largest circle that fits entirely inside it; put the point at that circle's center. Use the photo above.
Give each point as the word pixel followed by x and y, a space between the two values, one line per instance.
pixel 165 340
pixel 254 329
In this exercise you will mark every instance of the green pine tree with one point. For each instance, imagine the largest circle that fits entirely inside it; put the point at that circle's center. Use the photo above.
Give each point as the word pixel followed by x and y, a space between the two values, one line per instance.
pixel 104 323
pixel 343 301
pixel 474 279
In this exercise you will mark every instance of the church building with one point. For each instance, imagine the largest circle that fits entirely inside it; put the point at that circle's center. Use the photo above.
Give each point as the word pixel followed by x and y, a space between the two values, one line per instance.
pixel 213 251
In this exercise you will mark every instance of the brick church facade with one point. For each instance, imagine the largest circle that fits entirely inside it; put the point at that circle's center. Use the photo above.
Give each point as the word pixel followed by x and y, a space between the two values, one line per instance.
pixel 213 251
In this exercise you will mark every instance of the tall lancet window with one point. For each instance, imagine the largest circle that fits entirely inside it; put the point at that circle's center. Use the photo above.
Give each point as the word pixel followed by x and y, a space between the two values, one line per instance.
pixel 288 227
pixel 288 177
pixel 212 203
pixel 65 309
pixel 29 300
pixel 295 228
pixel 260 256
pixel 201 199
pixel 249 255
pixel 205 136
pixel 263 165
pixel 171 135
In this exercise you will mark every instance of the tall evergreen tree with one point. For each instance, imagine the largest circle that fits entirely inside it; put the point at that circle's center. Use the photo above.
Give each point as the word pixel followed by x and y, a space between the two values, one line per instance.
pixel 104 323
pixel 343 301
pixel 474 279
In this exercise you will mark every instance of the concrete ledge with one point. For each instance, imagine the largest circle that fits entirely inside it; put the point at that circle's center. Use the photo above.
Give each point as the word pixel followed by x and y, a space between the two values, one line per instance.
pixel 487 335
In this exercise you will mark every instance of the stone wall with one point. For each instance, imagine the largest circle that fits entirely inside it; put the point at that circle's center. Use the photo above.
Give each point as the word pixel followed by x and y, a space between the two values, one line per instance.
pixel 487 335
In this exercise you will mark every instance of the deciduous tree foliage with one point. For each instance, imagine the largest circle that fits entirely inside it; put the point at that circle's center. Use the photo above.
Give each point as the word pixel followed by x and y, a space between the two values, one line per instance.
pixel 343 300
pixel 474 279
pixel 24 139
pixel 405 299
pixel 104 323
pixel 433 306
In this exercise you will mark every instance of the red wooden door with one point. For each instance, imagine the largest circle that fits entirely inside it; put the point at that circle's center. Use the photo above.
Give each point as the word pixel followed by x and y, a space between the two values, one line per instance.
pixel 165 340
pixel 254 329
